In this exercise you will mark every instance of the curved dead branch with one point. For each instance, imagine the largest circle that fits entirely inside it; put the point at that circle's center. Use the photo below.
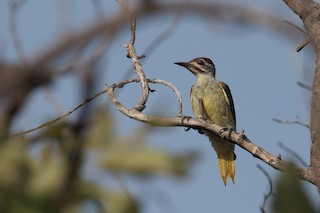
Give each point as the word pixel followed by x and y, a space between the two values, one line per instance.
pixel 237 138
pixel 307 10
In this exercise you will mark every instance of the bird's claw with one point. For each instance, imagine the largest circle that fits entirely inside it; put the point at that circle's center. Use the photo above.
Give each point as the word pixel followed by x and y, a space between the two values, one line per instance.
pixel 242 135
pixel 222 130
pixel 201 131
pixel 201 117
pixel 185 118
pixel 182 121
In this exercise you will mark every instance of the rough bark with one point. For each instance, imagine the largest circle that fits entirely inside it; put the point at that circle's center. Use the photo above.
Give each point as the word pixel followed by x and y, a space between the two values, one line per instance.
pixel 309 12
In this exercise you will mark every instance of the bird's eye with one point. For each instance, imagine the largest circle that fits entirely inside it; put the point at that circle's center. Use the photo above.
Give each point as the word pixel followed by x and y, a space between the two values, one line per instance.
pixel 200 62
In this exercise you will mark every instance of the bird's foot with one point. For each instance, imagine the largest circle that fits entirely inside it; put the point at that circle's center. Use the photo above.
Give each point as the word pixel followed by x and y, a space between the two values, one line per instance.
pixel 203 118
pixel 185 118
pixel 201 131
pixel 182 121
pixel 242 136
pixel 223 129
pixel 229 129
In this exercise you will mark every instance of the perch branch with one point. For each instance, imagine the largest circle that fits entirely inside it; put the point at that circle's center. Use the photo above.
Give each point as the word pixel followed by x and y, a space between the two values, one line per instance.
pixel 234 137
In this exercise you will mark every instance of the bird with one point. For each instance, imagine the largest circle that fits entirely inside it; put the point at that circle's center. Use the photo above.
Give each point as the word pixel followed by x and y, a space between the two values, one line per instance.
pixel 212 100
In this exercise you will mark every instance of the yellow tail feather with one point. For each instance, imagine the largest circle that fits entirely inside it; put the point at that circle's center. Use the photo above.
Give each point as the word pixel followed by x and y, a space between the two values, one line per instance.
pixel 226 167
pixel 225 152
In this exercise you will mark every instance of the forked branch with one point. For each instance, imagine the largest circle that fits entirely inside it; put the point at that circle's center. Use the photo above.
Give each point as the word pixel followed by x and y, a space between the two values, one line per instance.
pixel 236 138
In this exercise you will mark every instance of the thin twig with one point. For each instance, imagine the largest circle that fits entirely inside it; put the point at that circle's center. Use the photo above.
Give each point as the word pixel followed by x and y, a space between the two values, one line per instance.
pixel 304 86
pixel 119 85
pixel 159 39
pixel 287 149
pixel 135 59
pixel 232 136
pixel 292 122
pixel 295 27
pixel 166 83
pixel 304 33
pixel 62 116
pixel 266 196
pixel 303 45
pixel 15 5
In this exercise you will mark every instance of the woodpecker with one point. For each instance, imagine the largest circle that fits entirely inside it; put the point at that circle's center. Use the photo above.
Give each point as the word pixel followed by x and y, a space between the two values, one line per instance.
pixel 212 100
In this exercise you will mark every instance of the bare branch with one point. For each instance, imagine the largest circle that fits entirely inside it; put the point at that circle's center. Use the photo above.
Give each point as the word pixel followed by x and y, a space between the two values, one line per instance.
pixel 119 85
pixel 159 39
pixel 304 86
pixel 306 42
pixel 294 27
pixel 135 59
pixel 239 139
pixel 62 116
pixel 303 45
pixel 174 89
pixel 292 122
pixel 15 5
pixel 233 137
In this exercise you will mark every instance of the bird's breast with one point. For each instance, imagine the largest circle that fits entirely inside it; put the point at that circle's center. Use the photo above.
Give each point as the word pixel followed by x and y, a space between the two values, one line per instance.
pixel 215 105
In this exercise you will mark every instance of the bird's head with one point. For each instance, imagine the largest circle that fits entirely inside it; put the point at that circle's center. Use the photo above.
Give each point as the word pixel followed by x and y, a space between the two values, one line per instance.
pixel 199 66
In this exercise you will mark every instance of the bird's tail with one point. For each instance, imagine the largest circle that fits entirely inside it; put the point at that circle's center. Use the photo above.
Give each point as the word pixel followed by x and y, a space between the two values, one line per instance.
pixel 226 157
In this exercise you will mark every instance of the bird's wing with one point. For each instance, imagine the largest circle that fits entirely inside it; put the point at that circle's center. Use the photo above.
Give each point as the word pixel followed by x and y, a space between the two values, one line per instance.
pixel 228 96
pixel 197 104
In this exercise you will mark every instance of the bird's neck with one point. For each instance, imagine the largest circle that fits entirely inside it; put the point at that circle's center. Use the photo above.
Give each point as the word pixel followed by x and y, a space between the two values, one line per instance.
pixel 205 78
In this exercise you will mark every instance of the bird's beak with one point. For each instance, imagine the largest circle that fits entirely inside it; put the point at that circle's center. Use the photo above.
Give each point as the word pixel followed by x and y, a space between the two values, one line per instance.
pixel 183 64
pixel 186 65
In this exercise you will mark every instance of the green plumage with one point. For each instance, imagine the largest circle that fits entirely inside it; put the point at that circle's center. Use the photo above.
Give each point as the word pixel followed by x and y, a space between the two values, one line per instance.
pixel 212 100
pixel 218 108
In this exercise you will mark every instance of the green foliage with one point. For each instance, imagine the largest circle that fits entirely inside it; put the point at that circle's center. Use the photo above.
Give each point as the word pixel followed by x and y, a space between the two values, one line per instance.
pixel 44 173
pixel 141 160
pixel 290 196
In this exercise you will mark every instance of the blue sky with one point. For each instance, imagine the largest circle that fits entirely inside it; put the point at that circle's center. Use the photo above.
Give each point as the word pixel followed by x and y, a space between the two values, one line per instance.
pixel 260 66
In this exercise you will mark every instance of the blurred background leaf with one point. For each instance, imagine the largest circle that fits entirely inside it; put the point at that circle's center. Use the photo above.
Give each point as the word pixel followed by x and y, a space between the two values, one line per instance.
pixel 290 196
pixel 41 173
